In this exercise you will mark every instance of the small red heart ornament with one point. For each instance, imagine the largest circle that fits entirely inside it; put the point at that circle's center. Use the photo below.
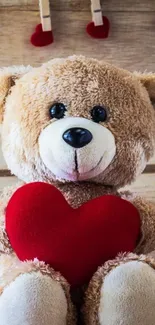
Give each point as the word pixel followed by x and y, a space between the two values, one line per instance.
pixel 41 224
pixel 99 31
pixel 40 38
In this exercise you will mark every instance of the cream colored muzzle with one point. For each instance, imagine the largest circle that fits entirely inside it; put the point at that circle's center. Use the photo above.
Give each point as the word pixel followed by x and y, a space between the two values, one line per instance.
pixel 73 163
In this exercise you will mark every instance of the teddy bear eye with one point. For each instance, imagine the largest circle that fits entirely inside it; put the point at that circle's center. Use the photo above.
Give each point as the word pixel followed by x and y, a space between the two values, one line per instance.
pixel 57 110
pixel 99 114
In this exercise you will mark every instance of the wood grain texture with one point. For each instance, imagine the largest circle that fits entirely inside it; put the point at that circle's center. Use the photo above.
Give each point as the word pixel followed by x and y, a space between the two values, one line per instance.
pixel 130 44
pixel 144 186
pixel 20 4
pixel 152 161
pixel 149 169
pixel 2 162
pixel 76 5
pixel 7 181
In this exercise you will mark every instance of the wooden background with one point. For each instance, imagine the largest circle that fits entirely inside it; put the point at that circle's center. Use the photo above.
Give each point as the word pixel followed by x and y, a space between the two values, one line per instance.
pixel 131 45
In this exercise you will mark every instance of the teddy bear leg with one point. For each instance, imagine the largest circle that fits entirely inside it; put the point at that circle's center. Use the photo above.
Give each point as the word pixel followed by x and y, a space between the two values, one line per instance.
pixel 33 299
pixel 39 296
pixel 122 292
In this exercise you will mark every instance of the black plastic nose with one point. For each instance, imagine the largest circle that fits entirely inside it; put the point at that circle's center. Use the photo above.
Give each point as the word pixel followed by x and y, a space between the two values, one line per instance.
pixel 77 137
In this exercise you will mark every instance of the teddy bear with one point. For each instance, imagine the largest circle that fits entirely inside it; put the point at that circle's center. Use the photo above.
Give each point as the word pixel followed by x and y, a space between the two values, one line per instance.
pixel 75 131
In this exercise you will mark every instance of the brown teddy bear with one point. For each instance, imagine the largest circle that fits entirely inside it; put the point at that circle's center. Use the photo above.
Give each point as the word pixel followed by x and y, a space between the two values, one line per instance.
pixel 88 128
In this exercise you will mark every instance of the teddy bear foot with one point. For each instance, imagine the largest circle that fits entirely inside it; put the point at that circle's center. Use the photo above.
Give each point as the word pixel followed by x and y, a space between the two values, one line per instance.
pixel 34 299
pixel 122 292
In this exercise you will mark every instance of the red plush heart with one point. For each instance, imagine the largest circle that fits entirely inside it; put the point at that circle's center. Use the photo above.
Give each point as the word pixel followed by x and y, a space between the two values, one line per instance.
pixel 40 38
pixel 40 223
pixel 99 31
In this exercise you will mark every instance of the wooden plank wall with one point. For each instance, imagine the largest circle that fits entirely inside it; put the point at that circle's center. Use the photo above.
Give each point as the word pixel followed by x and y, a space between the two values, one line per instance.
pixel 130 45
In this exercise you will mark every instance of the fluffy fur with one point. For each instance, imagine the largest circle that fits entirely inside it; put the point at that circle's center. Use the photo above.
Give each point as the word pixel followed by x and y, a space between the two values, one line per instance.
pixel 11 269
pixel 125 282
pixel 47 295
pixel 94 302
pixel 80 83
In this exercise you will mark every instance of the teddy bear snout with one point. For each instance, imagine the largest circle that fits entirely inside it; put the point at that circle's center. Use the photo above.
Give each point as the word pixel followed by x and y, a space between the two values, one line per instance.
pixel 77 137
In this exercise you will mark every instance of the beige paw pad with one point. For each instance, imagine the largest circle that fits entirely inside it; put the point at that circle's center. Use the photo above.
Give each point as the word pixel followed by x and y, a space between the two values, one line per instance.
pixel 33 299
pixel 128 295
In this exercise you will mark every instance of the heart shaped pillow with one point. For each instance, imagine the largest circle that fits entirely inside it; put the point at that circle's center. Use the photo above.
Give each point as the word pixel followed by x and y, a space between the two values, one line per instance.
pixel 41 224
pixel 40 38
pixel 101 31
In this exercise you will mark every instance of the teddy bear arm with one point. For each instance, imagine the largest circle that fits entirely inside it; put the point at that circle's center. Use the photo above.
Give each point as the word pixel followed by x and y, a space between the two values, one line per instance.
pixel 5 196
pixel 146 210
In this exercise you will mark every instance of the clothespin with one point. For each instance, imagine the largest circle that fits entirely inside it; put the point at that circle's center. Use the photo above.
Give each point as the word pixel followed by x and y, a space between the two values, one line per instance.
pixel 43 34
pixel 99 26
pixel 45 15
pixel 96 13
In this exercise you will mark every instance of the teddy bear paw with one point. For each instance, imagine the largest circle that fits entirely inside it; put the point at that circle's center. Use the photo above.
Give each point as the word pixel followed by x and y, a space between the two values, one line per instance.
pixel 122 295
pixel 32 299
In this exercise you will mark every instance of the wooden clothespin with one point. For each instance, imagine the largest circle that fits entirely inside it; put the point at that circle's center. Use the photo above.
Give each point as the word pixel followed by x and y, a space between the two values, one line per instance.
pixel 45 15
pixel 43 34
pixel 96 12
pixel 99 26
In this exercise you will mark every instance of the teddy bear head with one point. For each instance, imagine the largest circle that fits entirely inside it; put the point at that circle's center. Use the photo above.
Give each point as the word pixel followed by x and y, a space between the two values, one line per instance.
pixel 77 119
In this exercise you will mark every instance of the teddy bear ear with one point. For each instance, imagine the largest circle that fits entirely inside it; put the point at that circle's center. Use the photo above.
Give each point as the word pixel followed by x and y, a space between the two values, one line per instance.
pixel 148 81
pixel 8 77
